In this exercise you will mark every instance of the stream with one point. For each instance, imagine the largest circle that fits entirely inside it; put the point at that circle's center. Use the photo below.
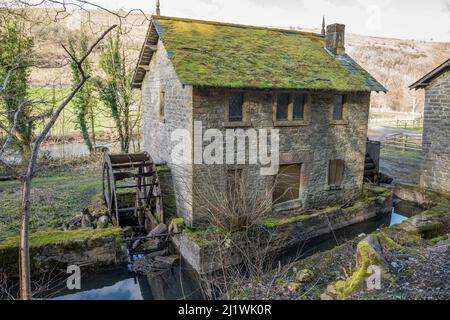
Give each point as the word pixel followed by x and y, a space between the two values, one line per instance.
pixel 180 283
pixel 121 284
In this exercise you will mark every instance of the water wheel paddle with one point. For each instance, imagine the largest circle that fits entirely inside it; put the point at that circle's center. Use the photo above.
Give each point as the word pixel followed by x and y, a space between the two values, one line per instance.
pixel 131 188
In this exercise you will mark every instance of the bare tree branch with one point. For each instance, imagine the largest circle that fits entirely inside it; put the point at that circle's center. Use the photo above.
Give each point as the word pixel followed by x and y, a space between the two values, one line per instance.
pixel 13 129
pixel 60 108
pixel 8 77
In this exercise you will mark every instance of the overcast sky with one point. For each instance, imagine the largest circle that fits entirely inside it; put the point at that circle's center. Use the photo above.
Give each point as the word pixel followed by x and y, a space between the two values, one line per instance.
pixel 408 19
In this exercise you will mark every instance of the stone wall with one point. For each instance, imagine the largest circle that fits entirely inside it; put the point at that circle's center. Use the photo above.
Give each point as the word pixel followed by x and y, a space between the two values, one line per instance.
pixel 56 250
pixel 200 250
pixel 158 131
pixel 436 136
pixel 313 143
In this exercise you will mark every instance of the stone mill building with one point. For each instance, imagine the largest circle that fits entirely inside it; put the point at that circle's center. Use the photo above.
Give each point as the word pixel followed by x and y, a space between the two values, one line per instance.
pixel 436 135
pixel 232 76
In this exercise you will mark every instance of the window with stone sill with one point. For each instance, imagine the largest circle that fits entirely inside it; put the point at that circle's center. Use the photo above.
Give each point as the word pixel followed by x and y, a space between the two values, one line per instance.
pixel 290 108
pixel 338 107
pixel 298 107
pixel 235 107
pixel 283 107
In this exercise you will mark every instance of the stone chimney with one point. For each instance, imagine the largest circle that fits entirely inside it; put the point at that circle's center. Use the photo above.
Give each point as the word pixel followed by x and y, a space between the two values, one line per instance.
pixel 158 8
pixel 335 39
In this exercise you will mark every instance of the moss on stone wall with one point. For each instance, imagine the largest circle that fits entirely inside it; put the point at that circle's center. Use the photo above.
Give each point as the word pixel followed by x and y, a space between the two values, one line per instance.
pixel 366 257
pixel 76 241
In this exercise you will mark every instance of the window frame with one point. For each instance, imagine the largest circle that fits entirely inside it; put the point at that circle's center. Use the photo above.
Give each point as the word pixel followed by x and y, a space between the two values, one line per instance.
pixel 303 107
pixel 236 124
pixel 162 106
pixel 335 179
pixel 291 121
pixel 287 106
pixel 277 202
pixel 343 120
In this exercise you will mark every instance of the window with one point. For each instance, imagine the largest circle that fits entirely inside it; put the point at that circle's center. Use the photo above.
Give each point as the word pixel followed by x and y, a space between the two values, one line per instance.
pixel 299 106
pixel 283 107
pixel 290 107
pixel 287 185
pixel 336 173
pixel 162 102
pixel 235 113
pixel 338 107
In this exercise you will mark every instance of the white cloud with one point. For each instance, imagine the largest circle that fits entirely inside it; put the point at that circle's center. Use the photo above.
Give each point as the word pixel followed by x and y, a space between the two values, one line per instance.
pixel 410 19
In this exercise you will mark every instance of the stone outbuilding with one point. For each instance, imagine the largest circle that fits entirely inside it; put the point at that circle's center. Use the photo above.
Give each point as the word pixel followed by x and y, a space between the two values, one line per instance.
pixel 232 76
pixel 436 134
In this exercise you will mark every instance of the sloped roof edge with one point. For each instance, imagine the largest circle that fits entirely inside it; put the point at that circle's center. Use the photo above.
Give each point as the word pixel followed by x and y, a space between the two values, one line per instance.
pixel 156 31
pixel 426 79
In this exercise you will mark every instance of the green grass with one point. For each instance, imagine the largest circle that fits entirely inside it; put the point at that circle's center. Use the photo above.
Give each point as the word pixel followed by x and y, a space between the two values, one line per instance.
pixel 56 197
pixel 382 115
pixel 44 238
pixel 47 98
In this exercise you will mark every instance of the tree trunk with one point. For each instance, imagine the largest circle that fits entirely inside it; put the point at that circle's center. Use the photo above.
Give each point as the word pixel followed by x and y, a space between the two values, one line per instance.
pixel 94 142
pixel 24 256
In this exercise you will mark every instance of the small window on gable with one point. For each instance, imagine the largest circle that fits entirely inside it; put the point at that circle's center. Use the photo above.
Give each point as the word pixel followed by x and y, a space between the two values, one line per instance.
pixel 336 173
pixel 287 184
pixel 299 106
pixel 162 104
pixel 236 102
pixel 283 107
pixel 338 107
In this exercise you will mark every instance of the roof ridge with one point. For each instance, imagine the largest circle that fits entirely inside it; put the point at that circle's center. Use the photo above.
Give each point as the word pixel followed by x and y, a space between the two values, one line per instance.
pixel 236 25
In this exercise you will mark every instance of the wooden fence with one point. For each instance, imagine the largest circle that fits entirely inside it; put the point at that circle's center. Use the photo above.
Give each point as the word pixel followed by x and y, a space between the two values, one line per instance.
pixel 404 142
pixel 405 124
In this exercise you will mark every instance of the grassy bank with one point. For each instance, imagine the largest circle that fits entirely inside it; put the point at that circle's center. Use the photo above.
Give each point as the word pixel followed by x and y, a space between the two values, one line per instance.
pixel 58 195
pixel 404 166
pixel 48 98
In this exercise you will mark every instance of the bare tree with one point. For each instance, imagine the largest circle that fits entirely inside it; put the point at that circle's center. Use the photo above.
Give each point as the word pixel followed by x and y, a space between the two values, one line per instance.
pixel 233 208
pixel 26 177
pixel 49 10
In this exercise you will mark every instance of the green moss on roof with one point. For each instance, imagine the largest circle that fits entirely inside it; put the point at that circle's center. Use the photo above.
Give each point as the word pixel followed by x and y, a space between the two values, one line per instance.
pixel 213 54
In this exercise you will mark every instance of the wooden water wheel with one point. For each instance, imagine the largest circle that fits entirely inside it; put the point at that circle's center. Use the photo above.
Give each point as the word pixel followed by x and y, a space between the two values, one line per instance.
pixel 131 188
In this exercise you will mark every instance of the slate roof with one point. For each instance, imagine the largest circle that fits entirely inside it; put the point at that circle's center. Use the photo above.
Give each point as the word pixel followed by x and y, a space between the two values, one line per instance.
pixel 426 79
pixel 222 55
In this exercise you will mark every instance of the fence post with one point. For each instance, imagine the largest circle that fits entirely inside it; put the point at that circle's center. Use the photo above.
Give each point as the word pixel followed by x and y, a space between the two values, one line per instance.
pixel 405 141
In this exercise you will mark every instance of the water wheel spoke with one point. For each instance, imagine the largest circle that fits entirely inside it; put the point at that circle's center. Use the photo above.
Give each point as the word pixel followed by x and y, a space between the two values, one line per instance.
pixel 118 172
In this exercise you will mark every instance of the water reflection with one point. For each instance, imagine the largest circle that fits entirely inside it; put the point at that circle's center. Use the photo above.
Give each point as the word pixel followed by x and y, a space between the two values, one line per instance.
pixel 123 290
pixel 397 218
pixel 404 210
pixel 121 284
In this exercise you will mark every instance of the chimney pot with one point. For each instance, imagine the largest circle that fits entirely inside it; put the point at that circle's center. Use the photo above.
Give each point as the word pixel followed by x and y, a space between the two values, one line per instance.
pixel 335 38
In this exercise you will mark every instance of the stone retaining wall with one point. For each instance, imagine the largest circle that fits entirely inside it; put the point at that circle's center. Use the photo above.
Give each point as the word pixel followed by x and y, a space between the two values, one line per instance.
pixel 288 232
pixel 54 250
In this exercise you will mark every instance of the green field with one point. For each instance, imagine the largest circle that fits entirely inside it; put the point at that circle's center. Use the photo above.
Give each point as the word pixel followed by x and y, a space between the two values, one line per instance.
pixel 46 99
pixel 56 197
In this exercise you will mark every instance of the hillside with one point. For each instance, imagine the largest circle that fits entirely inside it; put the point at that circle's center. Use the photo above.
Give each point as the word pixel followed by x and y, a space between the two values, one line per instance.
pixel 395 63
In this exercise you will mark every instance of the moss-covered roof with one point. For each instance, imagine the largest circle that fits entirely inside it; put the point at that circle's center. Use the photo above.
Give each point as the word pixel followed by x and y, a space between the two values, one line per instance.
pixel 214 54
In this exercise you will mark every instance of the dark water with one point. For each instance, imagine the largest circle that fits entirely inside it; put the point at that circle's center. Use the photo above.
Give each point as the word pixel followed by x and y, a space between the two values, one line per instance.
pixel 180 283
pixel 400 213
pixel 120 284
pixel 403 211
